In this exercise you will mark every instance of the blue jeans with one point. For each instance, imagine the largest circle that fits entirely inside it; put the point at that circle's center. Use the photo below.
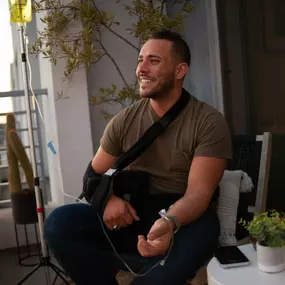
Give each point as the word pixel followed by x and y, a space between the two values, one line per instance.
pixel 74 235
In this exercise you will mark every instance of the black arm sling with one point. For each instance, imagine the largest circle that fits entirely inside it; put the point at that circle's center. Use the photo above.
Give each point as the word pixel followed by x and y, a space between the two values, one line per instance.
pixel 97 188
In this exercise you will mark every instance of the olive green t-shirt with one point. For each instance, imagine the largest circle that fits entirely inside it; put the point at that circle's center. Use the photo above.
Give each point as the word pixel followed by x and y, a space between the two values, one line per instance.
pixel 199 130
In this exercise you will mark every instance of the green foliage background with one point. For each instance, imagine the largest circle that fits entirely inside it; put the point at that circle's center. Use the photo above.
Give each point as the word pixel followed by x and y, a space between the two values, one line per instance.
pixel 86 46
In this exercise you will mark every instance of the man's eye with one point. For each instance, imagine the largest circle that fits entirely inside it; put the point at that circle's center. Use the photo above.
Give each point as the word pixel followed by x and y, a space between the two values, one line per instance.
pixel 154 61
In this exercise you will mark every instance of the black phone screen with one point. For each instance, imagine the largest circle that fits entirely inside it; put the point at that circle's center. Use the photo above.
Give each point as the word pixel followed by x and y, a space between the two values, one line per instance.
pixel 230 255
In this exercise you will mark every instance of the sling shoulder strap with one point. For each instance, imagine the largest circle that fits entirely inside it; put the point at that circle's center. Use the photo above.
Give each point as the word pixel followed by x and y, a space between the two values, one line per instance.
pixel 152 133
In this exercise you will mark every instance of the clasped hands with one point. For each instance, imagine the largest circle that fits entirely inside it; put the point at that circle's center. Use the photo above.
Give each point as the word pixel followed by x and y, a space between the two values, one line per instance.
pixel 119 213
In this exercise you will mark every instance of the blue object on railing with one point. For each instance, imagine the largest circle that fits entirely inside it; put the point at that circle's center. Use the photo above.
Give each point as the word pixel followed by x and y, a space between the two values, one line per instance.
pixel 51 147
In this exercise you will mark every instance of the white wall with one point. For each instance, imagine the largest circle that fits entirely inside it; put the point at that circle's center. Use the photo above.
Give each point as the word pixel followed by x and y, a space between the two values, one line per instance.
pixel 103 73
pixel 200 32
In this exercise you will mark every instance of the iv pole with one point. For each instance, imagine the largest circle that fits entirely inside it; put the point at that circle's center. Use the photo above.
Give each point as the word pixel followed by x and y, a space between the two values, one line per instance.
pixel 45 257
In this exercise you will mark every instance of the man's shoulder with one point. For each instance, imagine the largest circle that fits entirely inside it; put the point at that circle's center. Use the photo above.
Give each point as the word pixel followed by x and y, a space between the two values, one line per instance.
pixel 203 110
pixel 133 108
pixel 136 106
pixel 129 114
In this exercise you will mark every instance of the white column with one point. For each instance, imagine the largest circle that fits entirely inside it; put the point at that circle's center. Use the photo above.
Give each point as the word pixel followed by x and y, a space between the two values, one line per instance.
pixel 68 126
pixel 215 54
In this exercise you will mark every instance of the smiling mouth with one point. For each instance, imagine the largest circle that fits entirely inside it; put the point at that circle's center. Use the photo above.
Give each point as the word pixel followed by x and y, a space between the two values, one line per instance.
pixel 145 81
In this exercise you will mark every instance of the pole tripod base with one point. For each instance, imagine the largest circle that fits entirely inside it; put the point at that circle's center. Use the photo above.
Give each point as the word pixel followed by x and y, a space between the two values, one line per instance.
pixel 45 262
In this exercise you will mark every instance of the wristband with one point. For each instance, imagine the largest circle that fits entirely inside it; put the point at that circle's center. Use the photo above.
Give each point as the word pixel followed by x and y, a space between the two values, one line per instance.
pixel 163 214
pixel 175 221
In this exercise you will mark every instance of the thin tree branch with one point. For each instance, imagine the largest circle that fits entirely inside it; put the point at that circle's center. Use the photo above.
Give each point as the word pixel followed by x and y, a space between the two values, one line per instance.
pixel 112 31
pixel 114 62
pixel 121 37
pixel 98 59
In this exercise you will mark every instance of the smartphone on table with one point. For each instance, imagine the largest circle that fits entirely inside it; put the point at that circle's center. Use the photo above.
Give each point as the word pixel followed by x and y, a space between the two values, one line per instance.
pixel 230 256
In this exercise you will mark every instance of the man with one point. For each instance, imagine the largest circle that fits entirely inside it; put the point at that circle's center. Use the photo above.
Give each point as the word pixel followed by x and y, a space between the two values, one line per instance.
pixel 186 164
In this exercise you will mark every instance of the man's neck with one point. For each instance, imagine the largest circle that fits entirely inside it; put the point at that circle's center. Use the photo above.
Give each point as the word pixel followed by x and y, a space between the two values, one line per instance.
pixel 162 105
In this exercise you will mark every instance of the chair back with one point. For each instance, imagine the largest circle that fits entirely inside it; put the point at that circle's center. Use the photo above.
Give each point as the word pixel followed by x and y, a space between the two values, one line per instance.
pixel 252 154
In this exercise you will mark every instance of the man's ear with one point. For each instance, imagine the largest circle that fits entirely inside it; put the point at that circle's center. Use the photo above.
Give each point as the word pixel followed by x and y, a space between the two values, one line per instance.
pixel 181 70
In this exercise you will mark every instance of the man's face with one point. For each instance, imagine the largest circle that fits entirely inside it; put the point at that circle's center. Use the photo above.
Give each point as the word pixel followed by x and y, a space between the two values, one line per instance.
pixel 156 69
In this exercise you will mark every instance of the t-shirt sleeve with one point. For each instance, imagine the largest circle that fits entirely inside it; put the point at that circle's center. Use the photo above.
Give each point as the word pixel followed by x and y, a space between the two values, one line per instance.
pixel 111 138
pixel 214 139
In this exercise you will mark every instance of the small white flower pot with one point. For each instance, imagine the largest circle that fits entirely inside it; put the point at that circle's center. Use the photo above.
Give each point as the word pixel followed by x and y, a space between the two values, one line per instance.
pixel 270 259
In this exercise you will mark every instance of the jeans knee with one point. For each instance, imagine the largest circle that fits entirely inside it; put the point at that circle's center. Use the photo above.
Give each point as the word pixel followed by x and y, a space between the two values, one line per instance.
pixel 66 222
pixel 55 227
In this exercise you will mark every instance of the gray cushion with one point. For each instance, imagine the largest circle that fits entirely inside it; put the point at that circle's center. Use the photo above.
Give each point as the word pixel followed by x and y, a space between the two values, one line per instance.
pixel 231 184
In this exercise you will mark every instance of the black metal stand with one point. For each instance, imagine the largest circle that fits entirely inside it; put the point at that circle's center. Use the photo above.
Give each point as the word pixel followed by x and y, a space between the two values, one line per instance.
pixel 27 248
pixel 45 262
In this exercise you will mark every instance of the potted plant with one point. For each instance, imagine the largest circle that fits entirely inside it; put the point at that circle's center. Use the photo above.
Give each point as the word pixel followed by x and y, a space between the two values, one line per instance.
pixel 268 230
pixel 23 200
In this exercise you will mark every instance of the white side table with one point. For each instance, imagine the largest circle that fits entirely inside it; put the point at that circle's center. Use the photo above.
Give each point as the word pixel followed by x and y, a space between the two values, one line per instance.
pixel 246 275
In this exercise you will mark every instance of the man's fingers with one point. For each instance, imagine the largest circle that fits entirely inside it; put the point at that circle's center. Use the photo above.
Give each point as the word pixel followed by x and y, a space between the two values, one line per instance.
pixel 109 226
pixel 133 212
pixel 144 248
pixel 158 231
pixel 125 218
pixel 128 218
pixel 122 222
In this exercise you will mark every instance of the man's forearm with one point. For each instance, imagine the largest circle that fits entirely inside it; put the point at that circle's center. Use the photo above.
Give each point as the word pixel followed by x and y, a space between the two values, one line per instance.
pixel 204 176
pixel 189 208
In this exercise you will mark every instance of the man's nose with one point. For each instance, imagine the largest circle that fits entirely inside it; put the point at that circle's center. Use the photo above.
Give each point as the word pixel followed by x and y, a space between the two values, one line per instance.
pixel 143 67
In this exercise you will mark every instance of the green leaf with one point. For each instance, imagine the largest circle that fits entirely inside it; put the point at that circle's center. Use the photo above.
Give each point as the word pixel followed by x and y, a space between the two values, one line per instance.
pixel 268 228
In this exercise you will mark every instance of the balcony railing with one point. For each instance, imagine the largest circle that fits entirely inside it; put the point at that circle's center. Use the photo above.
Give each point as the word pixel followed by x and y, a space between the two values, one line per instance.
pixel 19 110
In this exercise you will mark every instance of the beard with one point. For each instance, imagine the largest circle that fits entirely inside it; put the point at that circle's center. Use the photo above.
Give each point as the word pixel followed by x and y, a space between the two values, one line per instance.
pixel 160 91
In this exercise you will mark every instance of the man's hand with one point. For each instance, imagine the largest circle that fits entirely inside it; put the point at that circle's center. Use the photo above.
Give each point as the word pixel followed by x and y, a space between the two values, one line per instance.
pixel 119 213
pixel 158 239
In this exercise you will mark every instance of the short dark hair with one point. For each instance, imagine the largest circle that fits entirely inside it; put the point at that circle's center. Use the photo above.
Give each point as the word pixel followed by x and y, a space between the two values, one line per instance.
pixel 181 48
